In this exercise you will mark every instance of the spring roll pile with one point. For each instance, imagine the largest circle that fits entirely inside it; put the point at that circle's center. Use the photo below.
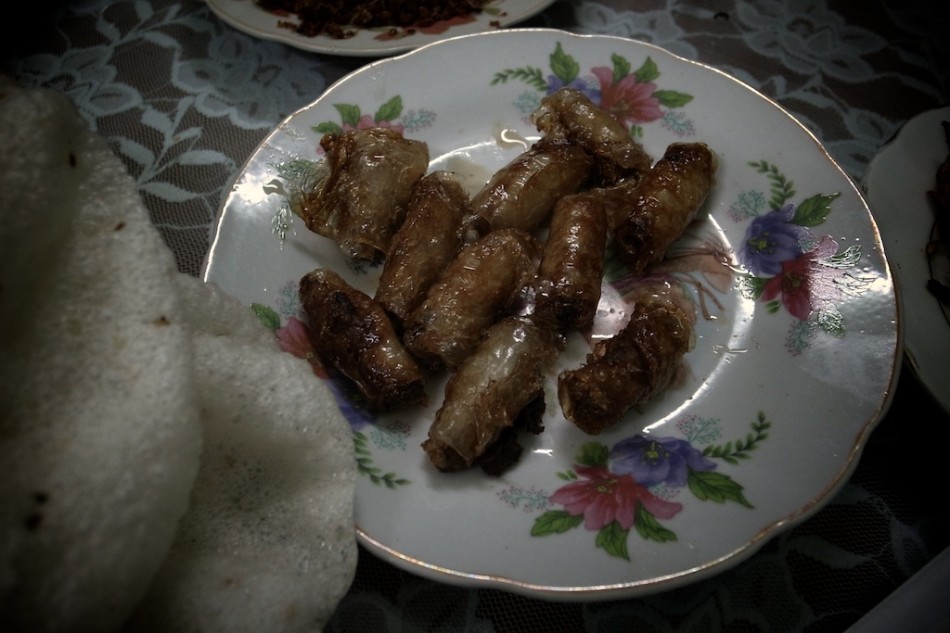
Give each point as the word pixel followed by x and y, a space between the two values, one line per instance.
pixel 166 467
pixel 486 287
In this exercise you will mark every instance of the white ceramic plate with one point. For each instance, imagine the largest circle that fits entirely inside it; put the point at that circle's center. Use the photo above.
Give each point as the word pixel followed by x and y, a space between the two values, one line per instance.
pixel 248 17
pixel 791 370
pixel 896 183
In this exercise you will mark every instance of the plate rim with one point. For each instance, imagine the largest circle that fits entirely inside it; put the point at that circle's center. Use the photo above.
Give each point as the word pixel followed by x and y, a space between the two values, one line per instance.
pixel 817 500
pixel 871 186
pixel 345 47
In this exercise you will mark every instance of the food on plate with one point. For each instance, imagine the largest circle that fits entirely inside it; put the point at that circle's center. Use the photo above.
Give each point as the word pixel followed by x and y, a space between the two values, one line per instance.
pixel 939 244
pixel 629 368
pixel 569 114
pixel 484 397
pixel 467 282
pixel 484 282
pixel 523 192
pixel 362 199
pixel 664 202
pixel 429 238
pixel 571 271
pixel 267 537
pixel 341 19
pixel 147 418
pixel 354 336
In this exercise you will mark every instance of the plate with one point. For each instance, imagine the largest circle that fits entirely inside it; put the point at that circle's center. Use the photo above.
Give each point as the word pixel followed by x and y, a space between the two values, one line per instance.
pixel 796 355
pixel 248 17
pixel 896 183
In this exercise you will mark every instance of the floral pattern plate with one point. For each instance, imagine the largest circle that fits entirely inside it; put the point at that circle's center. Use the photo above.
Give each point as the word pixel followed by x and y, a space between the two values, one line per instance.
pixel 797 338
pixel 897 182
pixel 248 17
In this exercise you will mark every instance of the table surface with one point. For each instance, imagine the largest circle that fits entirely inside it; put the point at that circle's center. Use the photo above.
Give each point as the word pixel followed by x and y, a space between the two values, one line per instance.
pixel 165 81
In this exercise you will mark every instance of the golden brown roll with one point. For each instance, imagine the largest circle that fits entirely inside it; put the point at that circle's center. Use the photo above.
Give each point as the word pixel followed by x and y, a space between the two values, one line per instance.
pixel 481 285
pixel 523 193
pixel 664 201
pixel 629 368
pixel 423 246
pixel 570 114
pixel 572 263
pixel 352 334
pixel 490 389
pixel 366 190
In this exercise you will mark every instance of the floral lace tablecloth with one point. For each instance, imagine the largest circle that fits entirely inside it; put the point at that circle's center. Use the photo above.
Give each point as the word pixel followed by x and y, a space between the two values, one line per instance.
pixel 184 100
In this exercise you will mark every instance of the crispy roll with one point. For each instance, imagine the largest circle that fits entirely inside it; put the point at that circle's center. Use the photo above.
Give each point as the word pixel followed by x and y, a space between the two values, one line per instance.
pixel 572 263
pixel 523 193
pixel 352 334
pixel 490 389
pixel 363 198
pixel 427 241
pixel 479 286
pixel 629 368
pixel 570 114
pixel 664 202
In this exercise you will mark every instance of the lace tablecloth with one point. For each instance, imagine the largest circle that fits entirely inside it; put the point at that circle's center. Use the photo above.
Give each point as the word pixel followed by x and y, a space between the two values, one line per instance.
pixel 184 100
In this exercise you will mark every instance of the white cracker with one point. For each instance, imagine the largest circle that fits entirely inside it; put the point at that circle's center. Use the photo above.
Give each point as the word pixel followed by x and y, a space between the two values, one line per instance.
pixel 99 429
pixel 113 367
pixel 268 543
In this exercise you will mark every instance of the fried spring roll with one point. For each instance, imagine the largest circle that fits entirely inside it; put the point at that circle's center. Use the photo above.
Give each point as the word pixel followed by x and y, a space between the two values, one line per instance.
pixel 363 199
pixel 629 368
pixel 572 263
pixel 352 334
pixel 479 286
pixel 665 201
pixel 488 391
pixel 570 114
pixel 423 246
pixel 523 193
